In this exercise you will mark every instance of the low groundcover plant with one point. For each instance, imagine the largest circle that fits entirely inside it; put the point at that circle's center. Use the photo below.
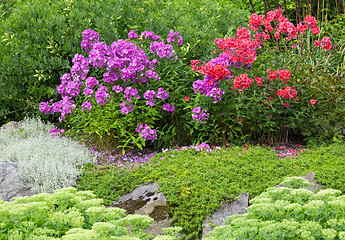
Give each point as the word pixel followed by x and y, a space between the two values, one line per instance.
pixel 70 215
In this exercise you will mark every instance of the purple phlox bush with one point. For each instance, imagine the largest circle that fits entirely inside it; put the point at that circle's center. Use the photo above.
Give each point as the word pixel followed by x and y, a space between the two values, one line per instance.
pixel 123 65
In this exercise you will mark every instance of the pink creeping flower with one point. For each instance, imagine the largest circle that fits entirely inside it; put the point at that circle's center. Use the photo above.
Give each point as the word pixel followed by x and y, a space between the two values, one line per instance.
pixel 313 101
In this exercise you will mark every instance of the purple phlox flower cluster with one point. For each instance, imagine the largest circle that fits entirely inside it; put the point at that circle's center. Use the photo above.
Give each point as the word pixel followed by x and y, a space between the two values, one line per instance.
pixel 64 106
pixel 69 87
pixel 129 92
pixel 80 67
pixel 216 94
pixel 149 34
pixel 90 82
pixel 171 37
pixel 152 74
pixel 162 94
pixel 169 108
pixel 87 105
pixel 117 88
pixel 98 55
pixel 146 132
pixel 162 49
pixel 132 34
pixel 101 95
pixel 56 131
pixel 126 108
pixel 110 77
pixel 149 95
pixel 89 39
pixel 200 115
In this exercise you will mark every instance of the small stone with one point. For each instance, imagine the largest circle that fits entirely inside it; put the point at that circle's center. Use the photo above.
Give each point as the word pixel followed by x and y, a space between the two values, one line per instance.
pixel 11 183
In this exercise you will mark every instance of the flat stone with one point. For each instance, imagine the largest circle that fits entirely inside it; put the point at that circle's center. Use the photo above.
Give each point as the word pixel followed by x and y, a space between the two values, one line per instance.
pixel 146 200
pixel 218 218
pixel 11 183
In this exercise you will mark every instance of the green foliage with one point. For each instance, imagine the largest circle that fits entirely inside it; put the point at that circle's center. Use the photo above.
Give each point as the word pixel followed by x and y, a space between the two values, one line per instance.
pixel 196 182
pixel 68 214
pixel 279 213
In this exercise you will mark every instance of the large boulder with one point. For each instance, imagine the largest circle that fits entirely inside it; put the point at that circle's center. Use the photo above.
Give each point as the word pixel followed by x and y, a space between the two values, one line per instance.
pixel 11 183
pixel 147 200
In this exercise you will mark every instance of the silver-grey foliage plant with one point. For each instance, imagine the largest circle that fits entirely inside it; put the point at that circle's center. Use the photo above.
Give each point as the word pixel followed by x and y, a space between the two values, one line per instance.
pixel 49 163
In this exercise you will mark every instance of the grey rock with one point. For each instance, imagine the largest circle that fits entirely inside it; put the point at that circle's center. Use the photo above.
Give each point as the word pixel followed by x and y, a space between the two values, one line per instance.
pixel 218 218
pixel 14 126
pixel 11 183
pixel 146 200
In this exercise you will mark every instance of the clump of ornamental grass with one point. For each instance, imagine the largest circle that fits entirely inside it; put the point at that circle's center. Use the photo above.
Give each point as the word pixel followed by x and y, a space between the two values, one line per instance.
pixel 70 214
pixel 289 213
pixel 47 161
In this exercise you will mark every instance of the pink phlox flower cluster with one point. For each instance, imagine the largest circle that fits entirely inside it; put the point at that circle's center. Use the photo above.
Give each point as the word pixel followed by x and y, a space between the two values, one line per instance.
pixel 162 49
pixel 110 77
pixel 129 92
pixel 288 92
pixel 200 115
pixel 64 106
pixel 216 94
pixel 169 108
pixel 171 37
pixel 89 39
pixel 126 108
pixel 80 67
pixel 98 55
pixel 162 94
pixel 101 95
pixel 146 132
pixel 149 95
pixel 56 131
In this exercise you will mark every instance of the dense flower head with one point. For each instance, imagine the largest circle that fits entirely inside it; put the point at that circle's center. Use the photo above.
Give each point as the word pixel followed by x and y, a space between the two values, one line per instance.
pixel 162 94
pixel 129 92
pixel 171 37
pixel 242 81
pixel 326 43
pixel 98 55
pixel 288 92
pixel 149 95
pixel 162 49
pixel 117 88
pixel 56 131
pixel 89 39
pixel 313 101
pixel 201 115
pixel 102 95
pixel 80 68
pixel 146 132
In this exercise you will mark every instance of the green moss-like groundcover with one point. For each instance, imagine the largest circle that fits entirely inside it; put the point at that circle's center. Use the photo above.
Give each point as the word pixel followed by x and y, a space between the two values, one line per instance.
pixel 195 182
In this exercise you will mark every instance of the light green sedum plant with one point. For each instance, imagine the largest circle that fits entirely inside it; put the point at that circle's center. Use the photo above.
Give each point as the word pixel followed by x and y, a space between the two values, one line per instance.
pixel 290 212
pixel 70 215
pixel 49 163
